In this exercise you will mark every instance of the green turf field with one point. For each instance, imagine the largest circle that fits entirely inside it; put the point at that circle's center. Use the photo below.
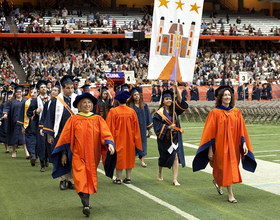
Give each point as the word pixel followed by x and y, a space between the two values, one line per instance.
pixel 26 193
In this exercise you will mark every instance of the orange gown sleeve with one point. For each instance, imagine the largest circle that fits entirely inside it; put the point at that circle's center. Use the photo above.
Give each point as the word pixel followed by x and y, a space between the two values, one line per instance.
pixel 208 139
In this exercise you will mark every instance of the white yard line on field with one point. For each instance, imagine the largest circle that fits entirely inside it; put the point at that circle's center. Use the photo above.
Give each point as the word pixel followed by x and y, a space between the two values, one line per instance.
pixel 157 200
pixel 272 155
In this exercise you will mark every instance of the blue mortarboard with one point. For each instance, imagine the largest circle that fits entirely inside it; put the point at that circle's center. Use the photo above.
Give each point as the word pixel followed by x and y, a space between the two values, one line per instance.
pixel 86 86
pixel 66 79
pixel 76 80
pixel 124 86
pixel 1 84
pixel 31 87
pixel 4 91
pixel 167 93
pixel 10 93
pixel 84 95
pixel 57 85
pixel 134 89
pixel 41 82
pixel 103 89
pixel 122 95
pixel 222 87
pixel 19 87
pixel 13 84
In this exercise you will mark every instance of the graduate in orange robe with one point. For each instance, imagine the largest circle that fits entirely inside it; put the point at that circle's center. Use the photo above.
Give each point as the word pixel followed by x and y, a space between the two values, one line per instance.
pixel 224 142
pixel 123 124
pixel 84 138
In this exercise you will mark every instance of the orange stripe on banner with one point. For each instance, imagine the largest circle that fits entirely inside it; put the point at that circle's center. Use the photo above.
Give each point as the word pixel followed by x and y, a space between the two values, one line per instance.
pixel 161 131
pixel 166 72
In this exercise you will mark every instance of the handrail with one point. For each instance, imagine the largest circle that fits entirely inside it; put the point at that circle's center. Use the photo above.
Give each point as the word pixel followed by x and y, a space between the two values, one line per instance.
pixel 229 5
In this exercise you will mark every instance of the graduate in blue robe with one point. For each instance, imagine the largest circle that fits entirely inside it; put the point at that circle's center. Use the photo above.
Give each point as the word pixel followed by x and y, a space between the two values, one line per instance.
pixel 12 112
pixel 269 91
pixel 185 93
pixel 246 91
pixel 34 113
pixel 123 87
pixel 53 118
pixel 240 93
pixel 154 94
pixel 169 135
pixel 158 93
pixel 194 93
pixel 4 122
pixel 254 91
pixel 77 91
pixel 264 92
pixel 210 93
pixel 144 120
pixel 29 126
pixel 48 147
pixel 258 93
pixel 104 104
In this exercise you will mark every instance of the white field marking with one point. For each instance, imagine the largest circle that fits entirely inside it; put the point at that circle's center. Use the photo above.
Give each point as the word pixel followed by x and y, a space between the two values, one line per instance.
pixel 256 135
pixel 272 155
pixel 150 158
pixel 266 151
pixel 157 200
pixel 266 176
pixel 191 127
pixel 276 160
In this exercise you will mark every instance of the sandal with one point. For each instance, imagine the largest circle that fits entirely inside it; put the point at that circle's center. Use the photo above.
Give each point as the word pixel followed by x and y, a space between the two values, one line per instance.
pixel 175 182
pixel 143 164
pixel 160 177
pixel 219 190
pixel 232 201
pixel 127 181
pixel 117 181
pixel 7 151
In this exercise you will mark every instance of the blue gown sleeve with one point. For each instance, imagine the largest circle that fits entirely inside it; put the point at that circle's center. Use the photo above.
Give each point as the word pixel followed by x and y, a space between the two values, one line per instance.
pixel 159 127
pixel 7 108
pixel 31 112
pixel 180 107
pixel 149 121
pixel 21 115
pixel 50 117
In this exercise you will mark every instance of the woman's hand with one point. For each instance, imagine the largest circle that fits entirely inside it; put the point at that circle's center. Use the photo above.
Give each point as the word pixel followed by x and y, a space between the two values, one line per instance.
pixel 63 159
pixel 245 149
pixel 171 127
pixel 111 149
pixel 210 154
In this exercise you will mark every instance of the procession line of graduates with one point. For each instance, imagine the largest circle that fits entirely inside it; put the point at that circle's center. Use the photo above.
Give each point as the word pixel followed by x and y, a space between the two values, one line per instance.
pixel 75 131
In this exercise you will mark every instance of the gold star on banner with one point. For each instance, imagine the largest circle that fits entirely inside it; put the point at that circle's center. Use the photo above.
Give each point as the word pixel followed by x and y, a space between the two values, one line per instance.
pixel 163 2
pixel 194 8
pixel 180 4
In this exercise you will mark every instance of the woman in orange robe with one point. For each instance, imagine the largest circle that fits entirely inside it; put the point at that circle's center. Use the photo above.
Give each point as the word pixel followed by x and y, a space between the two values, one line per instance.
pixel 84 138
pixel 224 142
pixel 123 124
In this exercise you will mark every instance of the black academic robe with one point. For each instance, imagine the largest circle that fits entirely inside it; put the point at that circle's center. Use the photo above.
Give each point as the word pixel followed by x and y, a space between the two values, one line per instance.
pixel 210 95
pixel 194 94
pixel 102 108
pixel 164 137
pixel 254 93
pixel 4 126
pixel 184 95
pixel 269 92
pixel 33 116
pixel 154 96
pixel 258 94
pixel 30 130
pixel 14 132
pixel 246 92
pixel 240 93
pixel 264 94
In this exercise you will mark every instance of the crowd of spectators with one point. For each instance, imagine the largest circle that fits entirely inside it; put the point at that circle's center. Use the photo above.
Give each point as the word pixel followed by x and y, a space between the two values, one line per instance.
pixel 90 64
pixel 70 23
pixel 8 73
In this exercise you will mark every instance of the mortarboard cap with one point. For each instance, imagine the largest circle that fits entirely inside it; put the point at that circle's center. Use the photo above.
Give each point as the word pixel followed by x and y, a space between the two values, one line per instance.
pixel 66 79
pixel 122 95
pixel 57 85
pixel 134 89
pixel 31 87
pixel 1 84
pixel 86 86
pixel 124 86
pixel 76 80
pixel 83 96
pixel 223 87
pixel 13 84
pixel 103 89
pixel 10 93
pixel 19 87
pixel 167 93
pixel 41 82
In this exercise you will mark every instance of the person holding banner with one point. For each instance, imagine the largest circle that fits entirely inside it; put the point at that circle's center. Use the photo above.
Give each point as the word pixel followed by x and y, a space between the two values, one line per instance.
pixel 224 142
pixel 169 133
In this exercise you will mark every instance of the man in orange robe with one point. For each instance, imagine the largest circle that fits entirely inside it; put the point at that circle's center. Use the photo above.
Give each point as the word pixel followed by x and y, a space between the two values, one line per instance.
pixel 84 139
pixel 123 124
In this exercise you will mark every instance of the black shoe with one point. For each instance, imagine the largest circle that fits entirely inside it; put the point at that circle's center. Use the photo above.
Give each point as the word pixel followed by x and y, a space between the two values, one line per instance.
pixel 71 185
pixel 62 185
pixel 43 169
pixel 32 161
pixel 46 164
pixel 86 211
